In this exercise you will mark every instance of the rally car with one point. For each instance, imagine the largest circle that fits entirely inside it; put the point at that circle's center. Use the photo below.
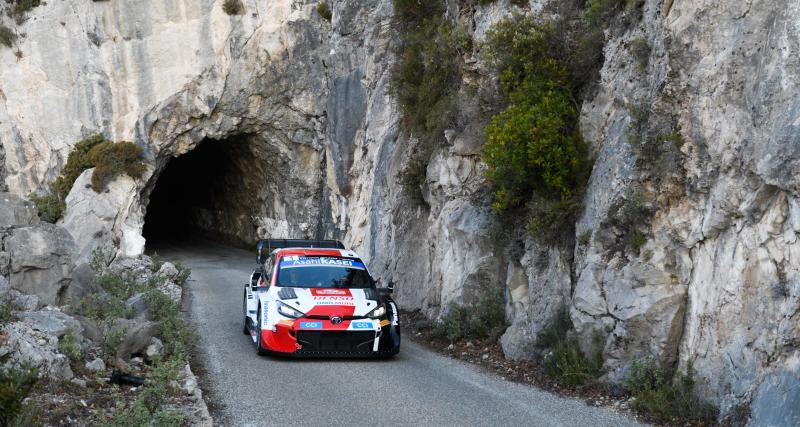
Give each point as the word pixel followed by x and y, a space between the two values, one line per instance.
pixel 315 298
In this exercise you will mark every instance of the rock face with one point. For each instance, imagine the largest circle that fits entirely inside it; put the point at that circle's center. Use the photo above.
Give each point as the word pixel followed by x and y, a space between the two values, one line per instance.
pixel 305 110
pixel 37 258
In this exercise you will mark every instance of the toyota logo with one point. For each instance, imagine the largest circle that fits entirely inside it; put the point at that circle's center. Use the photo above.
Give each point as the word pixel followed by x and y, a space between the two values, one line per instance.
pixel 336 320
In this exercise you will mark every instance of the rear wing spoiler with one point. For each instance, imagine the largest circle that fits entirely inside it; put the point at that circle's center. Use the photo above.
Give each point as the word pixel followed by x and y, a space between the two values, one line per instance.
pixel 265 247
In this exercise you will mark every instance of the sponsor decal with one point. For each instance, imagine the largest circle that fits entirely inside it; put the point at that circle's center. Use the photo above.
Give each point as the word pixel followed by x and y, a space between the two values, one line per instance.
pixel 340 292
pixel 362 325
pixel 395 320
pixel 301 261
pixel 310 325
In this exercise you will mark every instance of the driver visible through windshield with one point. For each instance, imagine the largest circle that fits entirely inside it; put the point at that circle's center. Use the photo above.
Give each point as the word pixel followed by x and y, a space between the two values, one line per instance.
pixel 322 272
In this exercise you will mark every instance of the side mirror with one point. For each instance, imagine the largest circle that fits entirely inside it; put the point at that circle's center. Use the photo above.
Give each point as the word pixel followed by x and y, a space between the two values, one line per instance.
pixel 387 290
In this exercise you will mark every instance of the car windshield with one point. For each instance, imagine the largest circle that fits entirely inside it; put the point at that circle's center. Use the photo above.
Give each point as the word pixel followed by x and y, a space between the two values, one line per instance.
pixel 322 272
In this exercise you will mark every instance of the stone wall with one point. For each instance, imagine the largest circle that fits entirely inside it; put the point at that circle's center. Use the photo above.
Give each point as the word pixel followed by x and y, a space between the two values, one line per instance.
pixel 715 283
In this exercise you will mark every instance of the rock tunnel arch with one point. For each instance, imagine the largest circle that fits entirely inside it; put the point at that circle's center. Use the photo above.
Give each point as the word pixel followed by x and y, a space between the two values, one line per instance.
pixel 236 189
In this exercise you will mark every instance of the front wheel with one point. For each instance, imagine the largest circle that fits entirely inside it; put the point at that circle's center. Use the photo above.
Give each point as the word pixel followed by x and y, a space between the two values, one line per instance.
pixel 259 349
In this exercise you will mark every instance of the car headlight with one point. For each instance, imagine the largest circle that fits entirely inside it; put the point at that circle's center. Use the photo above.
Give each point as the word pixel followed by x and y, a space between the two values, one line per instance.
pixel 379 311
pixel 289 311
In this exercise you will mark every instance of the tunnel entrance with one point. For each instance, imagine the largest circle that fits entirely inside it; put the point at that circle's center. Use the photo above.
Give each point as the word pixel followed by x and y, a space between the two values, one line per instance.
pixel 238 190
pixel 211 191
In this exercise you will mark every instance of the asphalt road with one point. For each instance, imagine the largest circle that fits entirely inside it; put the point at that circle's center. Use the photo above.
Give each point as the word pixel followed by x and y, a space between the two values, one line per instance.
pixel 416 388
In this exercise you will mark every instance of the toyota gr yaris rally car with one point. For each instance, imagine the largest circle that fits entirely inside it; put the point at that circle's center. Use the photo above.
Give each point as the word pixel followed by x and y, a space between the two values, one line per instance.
pixel 314 298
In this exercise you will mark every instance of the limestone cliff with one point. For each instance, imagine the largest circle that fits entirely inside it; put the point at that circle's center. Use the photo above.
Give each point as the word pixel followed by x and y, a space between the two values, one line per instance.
pixel 321 149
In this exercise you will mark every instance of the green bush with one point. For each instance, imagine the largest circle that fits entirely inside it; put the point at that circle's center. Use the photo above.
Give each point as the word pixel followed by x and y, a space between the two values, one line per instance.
pixel 413 179
pixel 50 207
pixel 663 399
pixel 484 320
pixel 101 258
pixel 570 367
pixel 15 385
pixel 21 8
pixel 113 339
pixel 233 7
pixel 324 11
pixel 565 362
pixel 79 160
pixel 636 240
pixel 7 36
pixel 111 159
pixel 534 152
pixel 69 346
pixel 184 273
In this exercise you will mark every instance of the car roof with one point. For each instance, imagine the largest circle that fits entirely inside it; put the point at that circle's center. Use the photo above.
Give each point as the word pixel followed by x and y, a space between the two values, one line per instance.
pixel 315 252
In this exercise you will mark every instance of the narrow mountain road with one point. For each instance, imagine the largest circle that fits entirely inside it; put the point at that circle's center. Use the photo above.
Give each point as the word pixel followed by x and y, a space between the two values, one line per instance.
pixel 416 388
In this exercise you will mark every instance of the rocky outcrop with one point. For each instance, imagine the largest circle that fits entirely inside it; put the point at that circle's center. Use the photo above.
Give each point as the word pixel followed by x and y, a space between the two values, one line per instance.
pixel 305 110
pixel 36 257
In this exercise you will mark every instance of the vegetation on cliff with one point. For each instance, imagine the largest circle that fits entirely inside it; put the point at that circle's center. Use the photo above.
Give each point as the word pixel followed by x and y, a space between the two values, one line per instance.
pixel 109 160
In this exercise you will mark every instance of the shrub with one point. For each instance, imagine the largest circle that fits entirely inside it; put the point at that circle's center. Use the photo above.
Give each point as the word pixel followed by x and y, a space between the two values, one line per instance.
pixel 233 7
pixel 413 179
pixel 640 50
pixel 570 367
pixel 112 159
pixel 664 399
pixel 184 273
pixel 69 346
pixel 78 161
pixel 101 258
pixel 21 7
pixel 585 237
pixel 485 320
pixel 15 385
pixel 324 11
pixel 113 339
pixel 157 262
pixel 636 239
pixel 426 79
pixel 50 207
pixel 551 221
pixel 565 362
pixel 533 148
pixel 7 36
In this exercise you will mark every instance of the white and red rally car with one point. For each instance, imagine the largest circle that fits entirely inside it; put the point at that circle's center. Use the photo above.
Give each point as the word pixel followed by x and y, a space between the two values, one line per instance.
pixel 314 298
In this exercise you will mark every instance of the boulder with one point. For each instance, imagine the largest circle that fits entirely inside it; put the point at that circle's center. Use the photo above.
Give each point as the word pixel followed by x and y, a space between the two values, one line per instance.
pixel 94 218
pixel 15 212
pixel 138 306
pixel 23 302
pixel 155 350
pixel 90 330
pixel 137 337
pixel 96 365
pixel 172 290
pixel 168 271
pixel 51 322
pixel 25 344
pixel 81 285
pixel 41 261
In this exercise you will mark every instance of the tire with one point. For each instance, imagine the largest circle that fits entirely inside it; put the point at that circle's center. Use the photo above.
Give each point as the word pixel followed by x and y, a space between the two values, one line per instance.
pixel 259 350
pixel 245 329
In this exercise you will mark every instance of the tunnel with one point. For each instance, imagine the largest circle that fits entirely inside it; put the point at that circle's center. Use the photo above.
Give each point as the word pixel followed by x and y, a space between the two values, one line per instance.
pixel 236 190
pixel 207 192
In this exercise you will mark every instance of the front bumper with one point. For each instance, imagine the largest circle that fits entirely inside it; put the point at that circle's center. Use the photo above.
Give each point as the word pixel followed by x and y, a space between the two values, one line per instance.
pixel 289 339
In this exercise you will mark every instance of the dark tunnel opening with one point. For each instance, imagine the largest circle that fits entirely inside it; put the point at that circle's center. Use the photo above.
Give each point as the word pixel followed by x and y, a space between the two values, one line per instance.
pixel 205 192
